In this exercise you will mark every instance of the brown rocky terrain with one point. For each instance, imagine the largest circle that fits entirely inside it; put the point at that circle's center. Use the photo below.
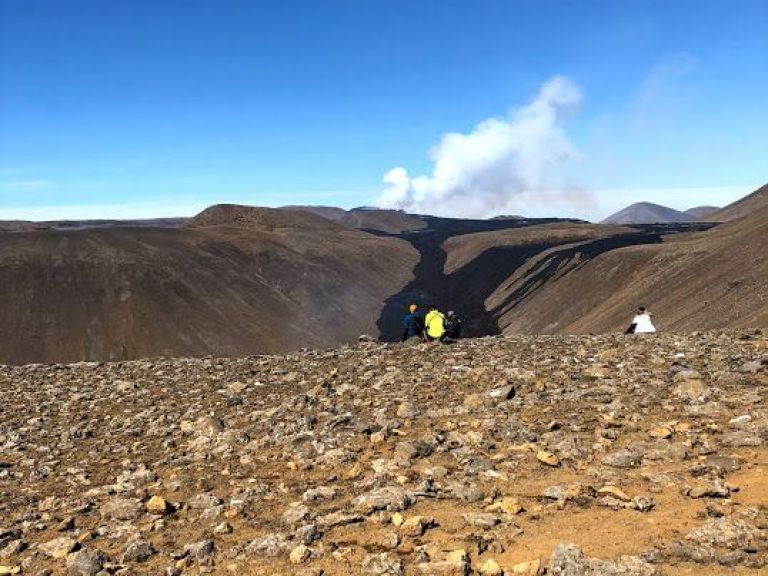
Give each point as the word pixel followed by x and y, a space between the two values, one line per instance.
pixel 570 456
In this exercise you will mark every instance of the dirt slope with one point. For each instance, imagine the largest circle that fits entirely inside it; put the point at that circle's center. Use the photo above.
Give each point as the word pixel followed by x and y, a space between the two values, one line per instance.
pixel 587 456
pixel 235 281
pixel 756 201
pixel 706 280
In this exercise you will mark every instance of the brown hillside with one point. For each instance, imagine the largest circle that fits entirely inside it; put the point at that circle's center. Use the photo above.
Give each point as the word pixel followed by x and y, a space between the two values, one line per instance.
pixel 235 282
pixel 699 281
pixel 744 207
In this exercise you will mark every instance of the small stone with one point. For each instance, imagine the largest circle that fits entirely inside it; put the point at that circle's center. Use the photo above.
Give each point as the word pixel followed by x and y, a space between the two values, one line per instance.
pixel 418 525
pixel 662 432
pixel 508 505
pixel 383 565
pixel 547 458
pixel 300 554
pixel 491 568
pixel 158 505
pixel 138 551
pixel 9 570
pixel 481 520
pixel 59 547
pixel 397 519
pixel 615 492
pixel 85 563
pixel 530 568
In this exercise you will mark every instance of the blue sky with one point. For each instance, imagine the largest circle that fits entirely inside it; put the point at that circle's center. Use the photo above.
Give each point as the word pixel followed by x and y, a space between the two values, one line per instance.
pixel 139 109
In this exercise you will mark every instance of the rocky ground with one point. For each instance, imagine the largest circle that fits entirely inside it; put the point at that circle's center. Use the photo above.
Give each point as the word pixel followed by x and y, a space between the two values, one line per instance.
pixel 569 456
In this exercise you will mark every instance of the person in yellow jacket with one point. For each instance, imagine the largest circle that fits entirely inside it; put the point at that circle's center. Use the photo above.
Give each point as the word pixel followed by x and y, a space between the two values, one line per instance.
pixel 434 324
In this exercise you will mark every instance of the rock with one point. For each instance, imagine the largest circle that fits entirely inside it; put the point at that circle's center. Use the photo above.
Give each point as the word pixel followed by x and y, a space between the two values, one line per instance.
pixel 270 545
pixel 481 520
pixel 569 560
pixel 59 547
pixel 205 501
pixel 530 568
pixel 615 492
pixel 547 458
pixel 300 554
pixel 200 549
pixel 662 432
pixel 85 562
pixel 622 459
pixel 418 525
pixel 407 410
pixel 693 391
pixel 158 505
pixel 507 505
pixel 491 568
pixel 733 534
pixel 319 494
pixel 121 509
pixel 503 393
pixel 138 551
pixel 390 498
pixel 454 563
pixel 382 565
pixel 9 570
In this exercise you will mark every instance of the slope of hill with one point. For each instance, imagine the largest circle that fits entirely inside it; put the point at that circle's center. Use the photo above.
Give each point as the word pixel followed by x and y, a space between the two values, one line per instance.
pixel 706 280
pixel 701 212
pixel 647 213
pixel 519 454
pixel 235 281
pixel 754 202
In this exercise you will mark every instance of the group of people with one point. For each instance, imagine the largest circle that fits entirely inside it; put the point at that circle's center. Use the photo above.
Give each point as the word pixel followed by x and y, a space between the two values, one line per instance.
pixel 432 326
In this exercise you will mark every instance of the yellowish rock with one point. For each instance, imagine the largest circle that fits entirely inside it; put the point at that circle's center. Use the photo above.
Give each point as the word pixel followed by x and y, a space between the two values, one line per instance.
pixel 417 525
pixel 531 568
pixel 615 492
pixel 661 432
pixel 300 554
pixel 508 505
pixel 397 519
pixel 547 458
pixel 8 570
pixel 158 505
pixel 491 568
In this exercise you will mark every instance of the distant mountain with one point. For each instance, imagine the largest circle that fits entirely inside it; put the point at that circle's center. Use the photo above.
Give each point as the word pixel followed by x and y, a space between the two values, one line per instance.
pixel 702 212
pixel 648 213
pixel 366 218
pixel 29 226
pixel 755 202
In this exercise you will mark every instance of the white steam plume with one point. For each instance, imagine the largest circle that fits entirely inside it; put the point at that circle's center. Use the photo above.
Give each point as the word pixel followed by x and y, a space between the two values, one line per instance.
pixel 503 164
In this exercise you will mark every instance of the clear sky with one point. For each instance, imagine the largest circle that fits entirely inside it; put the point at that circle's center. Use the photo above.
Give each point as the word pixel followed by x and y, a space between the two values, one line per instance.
pixel 158 108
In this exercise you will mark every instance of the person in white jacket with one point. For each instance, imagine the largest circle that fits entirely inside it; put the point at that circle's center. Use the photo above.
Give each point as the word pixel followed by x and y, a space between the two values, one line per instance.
pixel 641 323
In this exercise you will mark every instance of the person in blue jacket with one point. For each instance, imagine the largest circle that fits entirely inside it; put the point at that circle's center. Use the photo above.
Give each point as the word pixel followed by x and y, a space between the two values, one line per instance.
pixel 413 324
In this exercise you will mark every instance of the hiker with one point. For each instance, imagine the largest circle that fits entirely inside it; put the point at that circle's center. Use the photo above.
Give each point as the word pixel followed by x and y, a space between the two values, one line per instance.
pixel 434 324
pixel 452 327
pixel 413 324
pixel 641 323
